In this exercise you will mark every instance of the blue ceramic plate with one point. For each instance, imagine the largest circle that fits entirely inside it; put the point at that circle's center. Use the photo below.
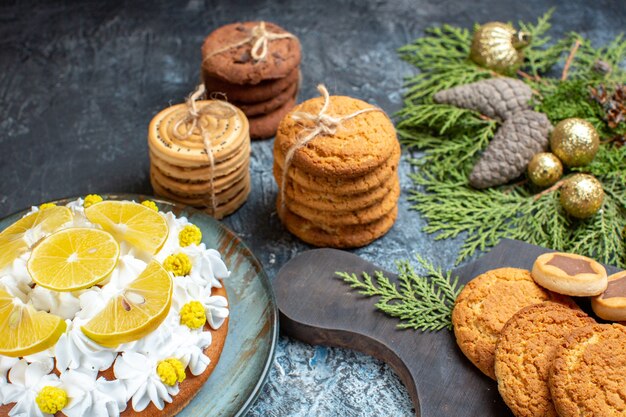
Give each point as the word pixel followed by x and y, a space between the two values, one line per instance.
pixel 253 328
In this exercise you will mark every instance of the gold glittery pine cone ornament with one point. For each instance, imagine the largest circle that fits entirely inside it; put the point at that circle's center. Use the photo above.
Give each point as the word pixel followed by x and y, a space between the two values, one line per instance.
pixel 498 47
pixel 544 169
pixel 582 196
pixel 575 141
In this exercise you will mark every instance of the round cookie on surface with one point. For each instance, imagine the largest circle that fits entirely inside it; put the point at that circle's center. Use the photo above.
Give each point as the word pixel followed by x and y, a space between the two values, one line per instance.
pixel 264 126
pixel 262 91
pixel 611 304
pixel 268 106
pixel 484 306
pixel 370 136
pixel 588 377
pixel 227 202
pixel 228 135
pixel 338 185
pixel 331 201
pixel 525 352
pixel 339 236
pixel 570 274
pixel 222 59
pixel 349 216
pixel 203 172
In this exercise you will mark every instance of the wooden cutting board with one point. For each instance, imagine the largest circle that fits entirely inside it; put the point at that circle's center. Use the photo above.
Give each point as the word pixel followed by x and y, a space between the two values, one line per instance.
pixel 316 307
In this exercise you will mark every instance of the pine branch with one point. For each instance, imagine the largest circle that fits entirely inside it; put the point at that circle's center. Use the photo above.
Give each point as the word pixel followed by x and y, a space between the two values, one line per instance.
pixel 420 302
pixel 540 56
pixel 450 140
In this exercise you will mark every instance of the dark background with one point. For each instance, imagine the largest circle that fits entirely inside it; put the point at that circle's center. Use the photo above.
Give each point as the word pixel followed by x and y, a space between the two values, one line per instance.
pixel 80 81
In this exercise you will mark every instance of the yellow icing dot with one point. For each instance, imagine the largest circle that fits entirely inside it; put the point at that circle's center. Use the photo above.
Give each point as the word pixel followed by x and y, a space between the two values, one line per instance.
pixel 46 205
pixel 171 371
pixel 179 264
pixel 51 399
pixel 190 234
pixel 91 199
pixel 192 315
pixel 150 204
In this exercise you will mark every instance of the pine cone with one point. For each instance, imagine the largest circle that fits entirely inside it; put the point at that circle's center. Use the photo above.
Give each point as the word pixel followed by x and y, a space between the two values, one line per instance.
pixel 497 98
pixel 614 105
pixel 520 137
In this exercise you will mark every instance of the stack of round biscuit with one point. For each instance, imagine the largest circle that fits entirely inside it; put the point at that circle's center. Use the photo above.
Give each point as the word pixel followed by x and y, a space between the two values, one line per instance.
pixel 180 167
pixel 341 189
pixel 256 66
pixel 549 358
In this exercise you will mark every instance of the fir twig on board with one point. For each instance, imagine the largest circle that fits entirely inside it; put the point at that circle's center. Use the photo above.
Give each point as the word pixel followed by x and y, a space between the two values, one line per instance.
pixel 421 302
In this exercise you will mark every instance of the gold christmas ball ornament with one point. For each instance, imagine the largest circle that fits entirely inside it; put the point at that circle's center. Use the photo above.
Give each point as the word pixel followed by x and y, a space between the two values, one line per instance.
pixel 582 196
pixel 544 169
pixel 498 47
pixel 575 141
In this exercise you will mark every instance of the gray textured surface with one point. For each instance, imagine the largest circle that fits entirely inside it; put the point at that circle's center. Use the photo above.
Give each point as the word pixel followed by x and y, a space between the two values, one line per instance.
pixel 79 84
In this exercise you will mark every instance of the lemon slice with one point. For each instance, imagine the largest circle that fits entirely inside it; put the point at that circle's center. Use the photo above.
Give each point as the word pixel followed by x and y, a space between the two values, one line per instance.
pixel 73 259
pixel 21 235
pixel 139 225
pixel 24 330
pixel 137 311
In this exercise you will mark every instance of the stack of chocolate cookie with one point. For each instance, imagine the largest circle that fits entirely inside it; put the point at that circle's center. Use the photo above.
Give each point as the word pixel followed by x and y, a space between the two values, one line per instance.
pixel 202 162
pixel 340 189
pixel 255 66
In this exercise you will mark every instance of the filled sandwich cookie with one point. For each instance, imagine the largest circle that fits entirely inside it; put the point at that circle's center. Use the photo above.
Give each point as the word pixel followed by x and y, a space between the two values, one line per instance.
pixel 611 304
pixel 570 274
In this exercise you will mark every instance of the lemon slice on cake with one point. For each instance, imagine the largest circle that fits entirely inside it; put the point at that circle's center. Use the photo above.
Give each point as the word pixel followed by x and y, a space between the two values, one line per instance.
pixel 73 259
pixel 137 224
pixel 24 330
pixel 137 311
pixel 21 235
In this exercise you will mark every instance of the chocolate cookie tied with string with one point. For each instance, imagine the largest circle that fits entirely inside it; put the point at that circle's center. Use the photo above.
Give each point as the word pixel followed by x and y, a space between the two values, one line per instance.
pixel 336 143
pixel 200 154
pixel 255 66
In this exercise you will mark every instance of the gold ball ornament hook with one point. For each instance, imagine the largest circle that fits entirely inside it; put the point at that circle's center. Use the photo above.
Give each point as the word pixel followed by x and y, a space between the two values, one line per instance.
pixel 582 196
pixel 544 169
pixel 575 141
pixel 498 46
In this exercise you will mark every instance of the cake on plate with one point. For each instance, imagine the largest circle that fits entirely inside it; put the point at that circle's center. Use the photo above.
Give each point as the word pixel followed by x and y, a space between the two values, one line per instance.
pixel 107 308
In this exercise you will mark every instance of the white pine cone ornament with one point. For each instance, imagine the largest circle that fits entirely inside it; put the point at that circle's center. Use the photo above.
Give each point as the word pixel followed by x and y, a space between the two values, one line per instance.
pixel 519 138
pixel 498 98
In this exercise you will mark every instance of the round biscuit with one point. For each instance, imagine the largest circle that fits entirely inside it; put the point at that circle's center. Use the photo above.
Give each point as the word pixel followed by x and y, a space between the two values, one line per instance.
pixel 358 146
pixel 525 352
pixel 588 376
pixel 486 303
pixel 569 274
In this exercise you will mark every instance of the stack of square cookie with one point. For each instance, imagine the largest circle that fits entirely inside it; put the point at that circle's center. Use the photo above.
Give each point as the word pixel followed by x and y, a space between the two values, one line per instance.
pixel 180 166
pixel 255 66
pixel 341 189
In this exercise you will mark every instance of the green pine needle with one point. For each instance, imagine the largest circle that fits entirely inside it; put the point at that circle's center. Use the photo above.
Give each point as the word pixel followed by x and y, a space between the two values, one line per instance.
pixel 450 140
pixel 420 302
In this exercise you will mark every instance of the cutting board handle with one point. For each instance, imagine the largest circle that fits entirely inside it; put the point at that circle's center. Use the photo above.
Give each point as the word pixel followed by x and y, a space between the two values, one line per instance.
pixel 317 307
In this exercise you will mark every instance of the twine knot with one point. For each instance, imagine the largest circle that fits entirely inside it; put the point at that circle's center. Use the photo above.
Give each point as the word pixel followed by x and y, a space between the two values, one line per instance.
pixel 216 109
pixel 260 38
pixel 323 124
